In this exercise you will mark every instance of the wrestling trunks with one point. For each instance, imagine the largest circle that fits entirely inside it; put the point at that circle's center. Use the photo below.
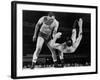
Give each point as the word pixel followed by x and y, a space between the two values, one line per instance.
pixel 46 37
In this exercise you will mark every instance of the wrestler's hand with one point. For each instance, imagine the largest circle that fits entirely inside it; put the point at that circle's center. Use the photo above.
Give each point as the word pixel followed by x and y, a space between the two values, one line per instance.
pixel 34 38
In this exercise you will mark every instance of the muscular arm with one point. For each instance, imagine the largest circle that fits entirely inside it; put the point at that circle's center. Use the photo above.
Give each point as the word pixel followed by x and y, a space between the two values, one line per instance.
pixel 36 29
pixel 55 28
pixel 38 25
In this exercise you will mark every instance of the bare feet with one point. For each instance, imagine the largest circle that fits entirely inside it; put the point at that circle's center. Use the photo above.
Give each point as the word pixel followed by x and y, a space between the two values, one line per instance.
pixel 80 22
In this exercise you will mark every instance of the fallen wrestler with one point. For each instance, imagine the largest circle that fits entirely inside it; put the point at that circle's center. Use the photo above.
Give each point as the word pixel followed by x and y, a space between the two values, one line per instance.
pixel 70 45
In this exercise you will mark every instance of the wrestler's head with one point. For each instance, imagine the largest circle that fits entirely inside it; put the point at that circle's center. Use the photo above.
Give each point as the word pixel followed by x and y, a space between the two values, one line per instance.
pixel 51 15
pixel 69 42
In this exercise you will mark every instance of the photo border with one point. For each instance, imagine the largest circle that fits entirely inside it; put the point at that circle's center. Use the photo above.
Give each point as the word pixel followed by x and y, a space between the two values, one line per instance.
pixel 14 38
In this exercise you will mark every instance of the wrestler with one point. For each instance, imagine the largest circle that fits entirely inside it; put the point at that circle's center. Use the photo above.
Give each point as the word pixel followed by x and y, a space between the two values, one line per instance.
pixel 71 44
pixel 48 27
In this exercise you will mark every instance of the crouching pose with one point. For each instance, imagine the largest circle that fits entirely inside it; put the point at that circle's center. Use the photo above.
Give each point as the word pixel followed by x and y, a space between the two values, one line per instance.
pixel 70 45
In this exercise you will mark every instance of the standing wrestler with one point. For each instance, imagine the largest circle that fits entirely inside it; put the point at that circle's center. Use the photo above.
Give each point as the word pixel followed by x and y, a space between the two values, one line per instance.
pixel 48 27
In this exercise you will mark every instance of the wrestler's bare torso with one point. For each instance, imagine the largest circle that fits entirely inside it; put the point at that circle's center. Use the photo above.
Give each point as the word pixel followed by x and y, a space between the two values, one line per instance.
pixel 47 24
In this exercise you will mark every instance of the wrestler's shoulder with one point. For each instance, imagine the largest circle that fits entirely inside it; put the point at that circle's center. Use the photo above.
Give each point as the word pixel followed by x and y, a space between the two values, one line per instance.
pixel 42 17
pixel 56 21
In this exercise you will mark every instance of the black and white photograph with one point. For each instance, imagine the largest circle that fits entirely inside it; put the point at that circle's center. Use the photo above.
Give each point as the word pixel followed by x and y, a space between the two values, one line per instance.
pixel 56 39
pixel 53 39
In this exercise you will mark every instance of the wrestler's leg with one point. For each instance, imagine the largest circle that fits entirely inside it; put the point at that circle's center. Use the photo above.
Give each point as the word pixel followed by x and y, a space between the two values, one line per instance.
pixel 39 45
pixel 61 56
pixel 73 37
pixel 80 26
pixel 54 56
pixel 78 40
pixel 53 52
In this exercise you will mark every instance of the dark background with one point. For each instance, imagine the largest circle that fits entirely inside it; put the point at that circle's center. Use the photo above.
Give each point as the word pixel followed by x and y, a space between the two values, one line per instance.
pixel 66 20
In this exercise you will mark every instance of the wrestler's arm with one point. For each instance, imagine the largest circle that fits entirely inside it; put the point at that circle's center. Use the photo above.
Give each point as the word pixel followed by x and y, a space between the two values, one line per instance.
pixel 55 28
pixel 40 21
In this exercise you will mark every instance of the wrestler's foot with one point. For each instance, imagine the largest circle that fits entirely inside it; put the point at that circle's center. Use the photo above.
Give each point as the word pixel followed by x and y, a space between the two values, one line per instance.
pixel 62 62
pixel 80 22
pixel 33 65
pixel 56 64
